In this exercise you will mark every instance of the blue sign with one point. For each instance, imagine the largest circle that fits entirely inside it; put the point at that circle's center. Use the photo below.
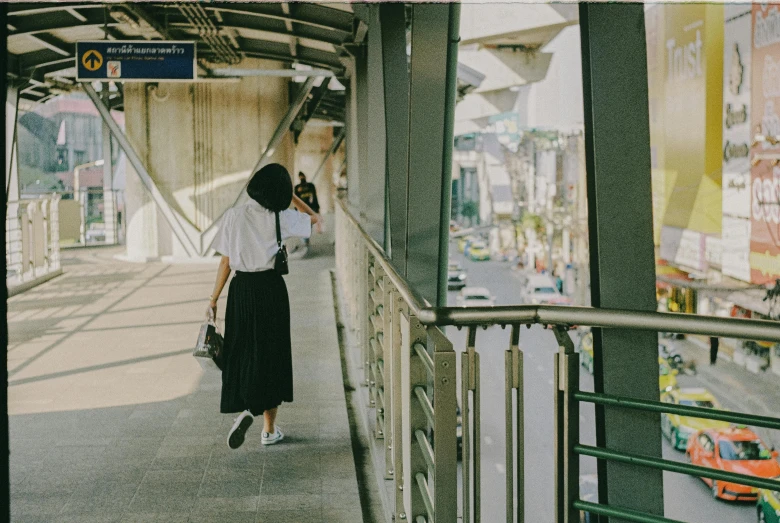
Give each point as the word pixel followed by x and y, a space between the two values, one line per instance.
pixel 135 61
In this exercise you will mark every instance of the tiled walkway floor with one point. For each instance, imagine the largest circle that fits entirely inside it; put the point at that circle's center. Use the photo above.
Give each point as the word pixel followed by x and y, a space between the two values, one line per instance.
pixel 112 419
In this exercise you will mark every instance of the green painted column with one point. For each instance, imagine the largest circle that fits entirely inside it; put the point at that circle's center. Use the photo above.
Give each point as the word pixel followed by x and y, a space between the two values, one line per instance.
pixel 620 220
pixel 5 449
pixel 396 89
pixel 433 76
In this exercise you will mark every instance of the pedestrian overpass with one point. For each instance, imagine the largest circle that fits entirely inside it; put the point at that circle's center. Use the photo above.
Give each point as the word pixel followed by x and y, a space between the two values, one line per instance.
pixel 104 401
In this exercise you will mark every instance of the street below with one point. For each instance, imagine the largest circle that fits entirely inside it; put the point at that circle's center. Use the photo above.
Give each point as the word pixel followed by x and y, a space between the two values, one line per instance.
pixel 685 498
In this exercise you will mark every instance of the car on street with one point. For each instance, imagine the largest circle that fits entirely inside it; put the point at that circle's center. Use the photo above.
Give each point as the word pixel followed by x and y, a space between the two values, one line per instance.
pixel 670 354
pixel 479 251
pixel 737 450
pixel 540 289
pixel 768 507
pixel 585 348
pixel 464 241
pixel 667 376
pixel 676 428
pixel 456 276
pixel 474 297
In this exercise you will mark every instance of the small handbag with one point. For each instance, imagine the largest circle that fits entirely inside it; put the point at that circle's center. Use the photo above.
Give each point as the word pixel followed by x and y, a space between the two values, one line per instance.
pixel 208 348
pixel 280 263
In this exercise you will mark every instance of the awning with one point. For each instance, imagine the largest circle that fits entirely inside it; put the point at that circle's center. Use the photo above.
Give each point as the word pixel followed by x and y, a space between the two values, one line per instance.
pixel 751 299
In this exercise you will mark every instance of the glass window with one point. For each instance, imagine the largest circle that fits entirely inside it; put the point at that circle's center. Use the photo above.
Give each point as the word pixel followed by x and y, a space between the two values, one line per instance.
pixel 744 450
pixel 477 297
pixel 543 290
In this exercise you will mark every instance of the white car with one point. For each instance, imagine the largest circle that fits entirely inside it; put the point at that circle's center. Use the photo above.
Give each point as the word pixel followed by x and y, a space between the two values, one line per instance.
pixel 540 289
pixel 475 297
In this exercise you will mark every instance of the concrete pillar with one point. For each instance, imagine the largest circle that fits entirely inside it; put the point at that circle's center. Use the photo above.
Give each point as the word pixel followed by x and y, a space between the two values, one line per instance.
pixel 314 143
pixel 199 142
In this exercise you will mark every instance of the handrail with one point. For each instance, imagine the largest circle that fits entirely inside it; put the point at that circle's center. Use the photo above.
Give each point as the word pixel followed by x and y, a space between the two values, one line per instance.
pixel 415 302
pixel 607 318
pixel 682 410
pixel 554 314
pixel 622 513
pixel 676 466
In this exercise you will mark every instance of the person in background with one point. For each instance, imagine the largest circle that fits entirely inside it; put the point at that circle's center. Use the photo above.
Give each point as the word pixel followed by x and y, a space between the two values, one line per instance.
pixel 307 192
pixel 713 350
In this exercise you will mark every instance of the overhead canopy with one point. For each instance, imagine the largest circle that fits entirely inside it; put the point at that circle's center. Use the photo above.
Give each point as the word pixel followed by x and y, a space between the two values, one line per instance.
pixel 42 37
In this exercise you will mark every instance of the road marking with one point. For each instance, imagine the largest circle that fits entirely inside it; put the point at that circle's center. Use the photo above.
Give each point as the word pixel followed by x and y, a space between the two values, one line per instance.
pixel 500 468
pixel 539 368
pixel 488 440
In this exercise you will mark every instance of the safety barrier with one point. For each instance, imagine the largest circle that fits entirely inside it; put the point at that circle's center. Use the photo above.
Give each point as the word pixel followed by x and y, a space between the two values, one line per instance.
pixel 409 367
pixel 31 241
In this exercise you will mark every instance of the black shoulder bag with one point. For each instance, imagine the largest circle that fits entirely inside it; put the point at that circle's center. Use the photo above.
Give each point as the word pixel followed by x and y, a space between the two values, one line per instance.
pixel 280 263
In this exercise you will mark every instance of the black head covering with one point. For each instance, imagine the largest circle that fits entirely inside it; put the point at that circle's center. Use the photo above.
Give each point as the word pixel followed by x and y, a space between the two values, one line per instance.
pixel 271 187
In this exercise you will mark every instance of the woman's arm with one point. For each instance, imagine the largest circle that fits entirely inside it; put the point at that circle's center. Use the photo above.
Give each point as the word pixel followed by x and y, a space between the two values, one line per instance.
pixel 302 207
pixel 223 272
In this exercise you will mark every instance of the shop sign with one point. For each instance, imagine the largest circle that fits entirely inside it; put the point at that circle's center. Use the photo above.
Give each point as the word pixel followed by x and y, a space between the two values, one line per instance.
pixel 683 247
pixel 765 177
pixel 737 52
pixel 713 251
pixel 735 243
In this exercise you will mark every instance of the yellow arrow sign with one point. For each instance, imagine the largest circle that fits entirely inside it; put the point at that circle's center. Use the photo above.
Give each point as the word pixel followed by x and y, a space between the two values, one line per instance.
pixel 92 60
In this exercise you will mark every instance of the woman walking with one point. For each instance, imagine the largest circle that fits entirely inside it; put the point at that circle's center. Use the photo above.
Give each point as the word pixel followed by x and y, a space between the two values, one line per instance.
pixel 257 360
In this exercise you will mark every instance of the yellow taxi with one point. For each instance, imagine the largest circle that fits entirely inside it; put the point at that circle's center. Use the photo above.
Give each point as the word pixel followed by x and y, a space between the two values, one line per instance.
pixel 586 351
pixel 678 429
pixel 768 506
pixel 667 377
pixel 463 240
pixel 479 251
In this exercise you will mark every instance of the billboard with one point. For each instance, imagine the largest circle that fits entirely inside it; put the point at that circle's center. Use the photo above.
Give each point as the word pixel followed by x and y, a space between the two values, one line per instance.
pixel 765 174
pixel 737 52
pixel 692 75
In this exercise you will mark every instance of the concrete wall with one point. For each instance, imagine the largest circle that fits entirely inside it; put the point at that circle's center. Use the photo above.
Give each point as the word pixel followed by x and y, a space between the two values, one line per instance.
pixel 313 144
pixel 199 142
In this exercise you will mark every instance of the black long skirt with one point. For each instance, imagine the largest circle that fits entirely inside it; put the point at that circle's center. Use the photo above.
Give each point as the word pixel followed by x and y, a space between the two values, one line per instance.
pixel 257 365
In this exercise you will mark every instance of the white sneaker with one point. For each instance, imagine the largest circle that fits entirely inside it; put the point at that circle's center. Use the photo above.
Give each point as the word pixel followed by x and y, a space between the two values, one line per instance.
pixel 238 431
pixel 270 439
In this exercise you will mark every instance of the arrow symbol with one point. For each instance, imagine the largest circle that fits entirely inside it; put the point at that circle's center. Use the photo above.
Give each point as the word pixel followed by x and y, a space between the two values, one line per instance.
pixel 92 60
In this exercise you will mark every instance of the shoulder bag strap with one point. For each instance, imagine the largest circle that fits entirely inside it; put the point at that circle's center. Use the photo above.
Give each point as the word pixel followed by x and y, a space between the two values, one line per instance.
pixel 278 232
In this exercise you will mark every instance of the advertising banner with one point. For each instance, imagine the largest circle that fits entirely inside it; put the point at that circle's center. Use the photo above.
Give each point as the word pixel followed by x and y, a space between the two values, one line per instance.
pixel 736 111
pixel 735 259
pixel 765 175
pixel 683 247
pixel 737 136
pixel 692 128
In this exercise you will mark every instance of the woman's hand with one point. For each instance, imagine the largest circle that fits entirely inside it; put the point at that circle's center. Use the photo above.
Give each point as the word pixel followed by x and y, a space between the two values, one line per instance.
pixel 211 311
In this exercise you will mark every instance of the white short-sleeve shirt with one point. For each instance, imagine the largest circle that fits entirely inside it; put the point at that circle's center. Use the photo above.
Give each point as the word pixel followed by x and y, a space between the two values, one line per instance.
pixel 248 235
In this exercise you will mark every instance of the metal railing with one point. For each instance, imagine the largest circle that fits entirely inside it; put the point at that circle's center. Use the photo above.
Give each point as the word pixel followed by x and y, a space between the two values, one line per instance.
pixel 31 239
pixel 409 367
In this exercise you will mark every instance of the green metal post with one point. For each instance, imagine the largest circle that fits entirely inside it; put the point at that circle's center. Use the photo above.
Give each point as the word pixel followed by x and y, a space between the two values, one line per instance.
pixel 396 83
pixel 620 223
pixel 431 114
